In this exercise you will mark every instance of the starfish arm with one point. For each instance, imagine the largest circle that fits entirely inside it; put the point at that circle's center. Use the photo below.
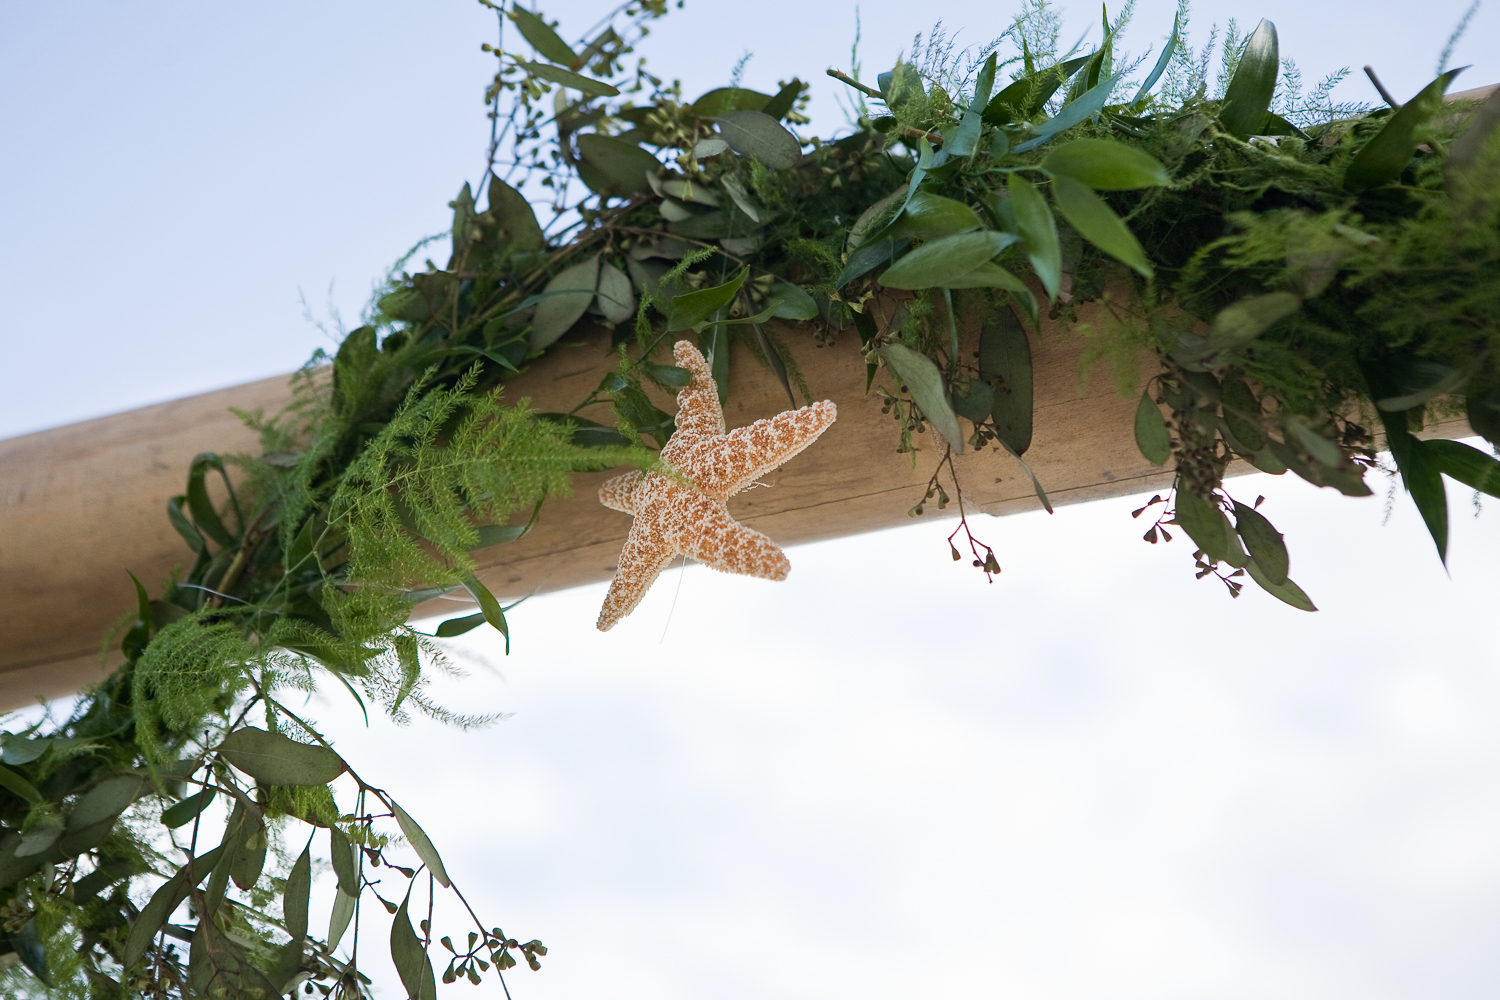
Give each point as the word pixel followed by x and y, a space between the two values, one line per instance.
pixel 641 562
pixel 698 410
pixel 619 493
pixel 726 465
pixel 717 540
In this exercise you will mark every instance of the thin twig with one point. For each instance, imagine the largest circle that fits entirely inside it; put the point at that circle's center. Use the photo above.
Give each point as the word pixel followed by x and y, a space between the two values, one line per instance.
pixel 843 77
pixel 1385 94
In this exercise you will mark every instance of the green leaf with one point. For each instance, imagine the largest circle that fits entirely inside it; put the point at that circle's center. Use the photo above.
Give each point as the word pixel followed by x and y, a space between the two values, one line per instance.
pixel 458 626
pixel 183 812
pixel 204 515
pixel 488 606
pixel 105 800
pixel 615 296
pixel 621 166
pixel 778 106
pixel 1422 477
pixel 422 845
pixel 932 264
pixel 1287 591
pixel 1106 165
pixel 925 383
pixel 668 375
pixel 410 958
pixel 575 81
pixel 20 750
pixel 294 900
pixel 693 308
pixel 1466 464
pixel 965 139
pixel 1263 541
pixel 338 917
pixel 1039 230
pixel 1240 408
pixel 168 896
pixel 1151 434
pixel 1097 222
pixel 1317 445
pixel 1036 483
pixel 498 534
pixel 514 217
pixel 740 197
pixel 1076 112
pixel 342 855
pixel 901 85
pixel 723 100
pixel 1208 527
pixel 795 303
pixel 37 839
pixel 868 257
pixel 28 945
pixel 542 37
pixel 1162 61
pixel 185 528
pixel 1241 322
pixel 1005 362
pixel 566 298
pixel 1385 156
pixel 930 216
pixel 1249 93
pixel 1464 151
pixel 274 759
pixel 15 783
pixel 1023 100
pixel 977 405
pixel 761 137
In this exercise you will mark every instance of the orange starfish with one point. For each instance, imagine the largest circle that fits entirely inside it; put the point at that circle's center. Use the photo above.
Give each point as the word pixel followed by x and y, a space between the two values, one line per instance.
pixel 675 518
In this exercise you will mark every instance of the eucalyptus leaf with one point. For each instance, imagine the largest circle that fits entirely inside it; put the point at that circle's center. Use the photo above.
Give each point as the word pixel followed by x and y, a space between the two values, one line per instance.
pixel 182 813
pixel 1241 322
pixel 705 148
pixel 1286 591
pixel 1151 434
pixel 105 800
pixel 615 296
pixel 929 216
pixel 422 845
pixel 1241 408
pixel 294 905
pixel 339 917
pixel 574 81
pixel 410 958
pixel 168 896
pixel 1097 222
pixel 342 855
pixel 740 197
pixel 793 302
pixel 1263 541
pixel 274 759
pixel 1249 93
pixel 1005 362
pixel 1206 524
pixel 16 783
pixel 925 383
pixel 622 167
pixel 693 308
pixel 565 299
pixel 20 750
pixel 542 37
pixel 723 100
pixel 761 137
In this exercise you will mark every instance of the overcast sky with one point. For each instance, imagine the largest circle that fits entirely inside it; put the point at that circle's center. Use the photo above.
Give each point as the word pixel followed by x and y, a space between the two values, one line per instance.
pixel 1094 778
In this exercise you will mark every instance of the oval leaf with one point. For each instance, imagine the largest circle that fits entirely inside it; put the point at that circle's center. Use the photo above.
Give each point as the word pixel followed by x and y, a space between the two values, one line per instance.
pixel 542 37
pixel 565 299
pixel 621 167
pixel 1097 222
pixel 1105 165
pixel 615 296
pixel 1288 592
pixel 1206 524
pixel 1264 542
pixel 925 383
pixel 757 135
pixel 1238 324
pixel 933 264
pixel 931 216
pixel 794 302
pixel 273 759
pixel 1005 362
pixel 1151 434
pixel 105 800
pixel 183 812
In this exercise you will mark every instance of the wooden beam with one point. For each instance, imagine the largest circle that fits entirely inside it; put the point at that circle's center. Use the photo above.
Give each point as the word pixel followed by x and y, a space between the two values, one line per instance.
pixel 84 503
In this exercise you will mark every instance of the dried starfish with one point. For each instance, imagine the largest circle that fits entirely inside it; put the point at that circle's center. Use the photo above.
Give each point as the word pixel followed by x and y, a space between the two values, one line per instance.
pixel 688 514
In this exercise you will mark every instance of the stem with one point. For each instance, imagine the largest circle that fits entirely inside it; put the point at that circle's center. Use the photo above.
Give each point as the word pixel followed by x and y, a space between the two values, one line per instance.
pixel 843 77
pixel 1385 94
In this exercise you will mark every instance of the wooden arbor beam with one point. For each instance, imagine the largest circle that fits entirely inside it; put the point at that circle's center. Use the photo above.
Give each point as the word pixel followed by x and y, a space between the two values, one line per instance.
pixel 84 503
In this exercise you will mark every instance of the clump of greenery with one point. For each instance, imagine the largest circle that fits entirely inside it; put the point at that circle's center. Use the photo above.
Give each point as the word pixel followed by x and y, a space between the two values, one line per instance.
pixel 1308 276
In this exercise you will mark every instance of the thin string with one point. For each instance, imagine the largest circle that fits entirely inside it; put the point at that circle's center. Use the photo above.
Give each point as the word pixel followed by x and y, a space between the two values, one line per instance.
pixel 681 572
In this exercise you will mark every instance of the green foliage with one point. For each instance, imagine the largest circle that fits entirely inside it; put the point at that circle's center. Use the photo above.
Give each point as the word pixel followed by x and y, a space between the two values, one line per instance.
pixel 1302 271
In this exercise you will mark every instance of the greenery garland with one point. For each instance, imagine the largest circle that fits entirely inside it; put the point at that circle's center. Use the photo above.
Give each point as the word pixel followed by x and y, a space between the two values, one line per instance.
pixel 1303 272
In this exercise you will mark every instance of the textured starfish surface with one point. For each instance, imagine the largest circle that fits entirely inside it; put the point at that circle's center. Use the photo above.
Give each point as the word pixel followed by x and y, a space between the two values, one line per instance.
pixel 687 515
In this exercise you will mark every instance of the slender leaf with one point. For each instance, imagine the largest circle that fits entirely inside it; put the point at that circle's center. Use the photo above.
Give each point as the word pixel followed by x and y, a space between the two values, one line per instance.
pixel 567 297
pixel 15 783
pixel 410 958
pixel 1422 476
pixel 1385 156
pixel 183 812
pixel 1023 100
pixel 422 845
pixel 294 900
pixel 1241 322
pixel 925 383
pixel 933 264
pixel 342 855
pixel 339 916
pixel 168 896
pixel 567 78
pixel 868 257
pixel 488 606
pixel 693 308
pixel 1086 106
pixel 1466 464
pixel 1162 61
pixel 204 514
pixel 1287 591
pixel 1039 230
pixel 965 140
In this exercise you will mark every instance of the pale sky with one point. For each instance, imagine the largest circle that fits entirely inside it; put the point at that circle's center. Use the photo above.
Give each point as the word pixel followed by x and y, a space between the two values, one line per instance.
pixel 1095 778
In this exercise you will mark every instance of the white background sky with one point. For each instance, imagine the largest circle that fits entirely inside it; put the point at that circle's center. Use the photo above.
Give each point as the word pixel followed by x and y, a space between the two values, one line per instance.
pixel 883 778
